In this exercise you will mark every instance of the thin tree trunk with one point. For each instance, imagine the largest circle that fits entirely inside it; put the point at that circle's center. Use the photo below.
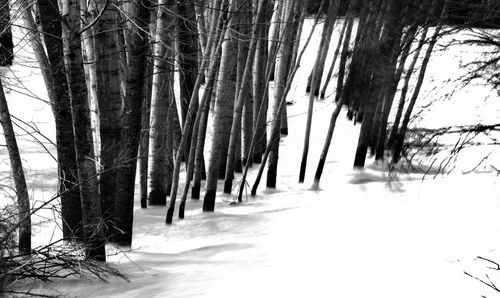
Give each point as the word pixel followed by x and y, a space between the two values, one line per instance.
pixel 87 175
pixel 380 60
pixel 283 100
pixel 398 146
pixel 324 45
pixel 335 57
pixel 242 97
pixel 316 82
pixel 187 131
pixel 391 92
pixel 343 59
pixel 146 116
pixel 216 36
pixel 89 65
pixel 199 131
pixel 260 92
pixel 406 85
pixel 23 201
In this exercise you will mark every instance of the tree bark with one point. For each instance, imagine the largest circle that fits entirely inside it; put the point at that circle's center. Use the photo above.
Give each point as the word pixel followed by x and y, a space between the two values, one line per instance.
pixel 6 44
pixel 398 145
pixel 188 57
pixel 87 175
pixel 335 57
pixel 406 85
pixel 16 166
pixel 161 100
pixel 71 212
pixel 223 113
pixel 109 100
pixel 242 97
pixel 316 82
pixel 138 44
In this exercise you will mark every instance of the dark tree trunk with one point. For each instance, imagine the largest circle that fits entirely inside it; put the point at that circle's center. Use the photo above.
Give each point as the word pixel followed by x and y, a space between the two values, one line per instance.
pixel 71 211
pixel 138 44
pixel 385 66
pixel 242 97
pixel 188 57
pixel 16 166
pixel 87 175
pixel 335 57
pixel 109 101
pixel 398 145
pixel 6 44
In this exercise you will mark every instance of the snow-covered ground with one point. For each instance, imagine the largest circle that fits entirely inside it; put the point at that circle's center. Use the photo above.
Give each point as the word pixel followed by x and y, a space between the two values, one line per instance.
pixel 356 236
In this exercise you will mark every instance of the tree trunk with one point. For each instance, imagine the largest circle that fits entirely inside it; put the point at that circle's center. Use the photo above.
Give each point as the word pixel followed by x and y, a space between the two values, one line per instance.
pixel 6 44
pixel 217 29
pixel 146 115
pixel 316 82
pixel 88 55
pixel 87 175
pixel 161 99
pixel 71 211
pixel 109 100
pixel 392 87
pixel 188 57
pixel 187 133
pixel 343 59
pixel 199 130
pixel 274 129
pixel 23 201
pixel 223 113
pixel 335 57
pixel 260 92
pixel 324 45
pixel 242 97
pixel 406 85
pixel 398 145
pixel 138 44
pixel 381 61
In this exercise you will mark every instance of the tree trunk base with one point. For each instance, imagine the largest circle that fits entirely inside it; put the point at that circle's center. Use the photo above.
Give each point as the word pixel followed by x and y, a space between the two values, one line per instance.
pixel 182 207
pixel 195 191
pixel 157 198
pixel 170 216
pixel 209 200
pixel 228 186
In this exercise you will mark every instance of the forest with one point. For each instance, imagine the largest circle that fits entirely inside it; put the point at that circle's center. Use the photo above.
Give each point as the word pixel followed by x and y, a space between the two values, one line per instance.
pixel 160 119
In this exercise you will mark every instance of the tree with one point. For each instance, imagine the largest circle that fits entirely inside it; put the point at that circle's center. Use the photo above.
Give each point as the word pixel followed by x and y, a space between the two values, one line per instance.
pixel 379 60
pixel 242 97
pixel 23 201
pixel 138 45
pixel 161 103
pixel 316 76
pixel 6 44
pixel 109 100
pixel 187 44
pixel 398 144
pixel 57 89
pixel 224 106
pixel 87 175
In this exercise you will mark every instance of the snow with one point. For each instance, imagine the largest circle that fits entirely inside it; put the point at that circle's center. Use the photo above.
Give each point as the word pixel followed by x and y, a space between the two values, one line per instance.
pixel 362 233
